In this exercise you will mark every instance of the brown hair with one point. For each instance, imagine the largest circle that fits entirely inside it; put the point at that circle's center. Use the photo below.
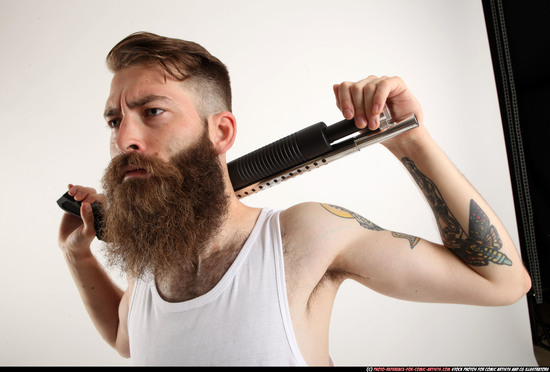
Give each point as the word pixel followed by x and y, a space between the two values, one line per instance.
pixel 181 59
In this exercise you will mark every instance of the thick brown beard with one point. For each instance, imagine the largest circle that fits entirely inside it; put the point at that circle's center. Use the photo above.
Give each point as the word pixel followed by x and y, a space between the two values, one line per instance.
pixel 162 222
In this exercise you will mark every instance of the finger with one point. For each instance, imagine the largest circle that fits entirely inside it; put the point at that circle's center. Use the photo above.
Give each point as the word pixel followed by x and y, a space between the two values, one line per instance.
pixel 374 104
pixel 345 100
pixel 387 89
pixel 362 92
pixel 336 95
pixel 87 215
pixel 381 95
pixel 358 99
pixel 80 193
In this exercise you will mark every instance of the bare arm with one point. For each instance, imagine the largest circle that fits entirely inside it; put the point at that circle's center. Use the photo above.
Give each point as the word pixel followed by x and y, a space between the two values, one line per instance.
pixel 478 262
pixel 99 294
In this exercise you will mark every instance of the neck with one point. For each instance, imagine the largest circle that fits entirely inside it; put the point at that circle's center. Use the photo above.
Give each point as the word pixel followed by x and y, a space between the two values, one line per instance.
pixel 213 262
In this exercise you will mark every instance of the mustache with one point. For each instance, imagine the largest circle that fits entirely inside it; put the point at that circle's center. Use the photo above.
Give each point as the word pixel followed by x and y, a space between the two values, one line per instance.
pixel 132 161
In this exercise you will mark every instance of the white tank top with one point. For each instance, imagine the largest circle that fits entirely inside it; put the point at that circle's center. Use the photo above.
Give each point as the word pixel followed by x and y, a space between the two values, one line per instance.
pixel 243 320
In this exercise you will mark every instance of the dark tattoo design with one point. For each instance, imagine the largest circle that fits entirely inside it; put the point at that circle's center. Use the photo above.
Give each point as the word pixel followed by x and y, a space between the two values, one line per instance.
pixel 344 213
pixel 369 225
pixel 413 240
pixel 481 245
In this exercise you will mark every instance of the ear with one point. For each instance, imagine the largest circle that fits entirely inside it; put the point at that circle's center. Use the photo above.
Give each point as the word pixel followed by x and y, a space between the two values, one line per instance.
pixel 223 129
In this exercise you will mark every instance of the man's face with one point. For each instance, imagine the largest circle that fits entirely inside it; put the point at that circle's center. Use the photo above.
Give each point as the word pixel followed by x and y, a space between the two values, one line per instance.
pixel 165 186
pixel 150 112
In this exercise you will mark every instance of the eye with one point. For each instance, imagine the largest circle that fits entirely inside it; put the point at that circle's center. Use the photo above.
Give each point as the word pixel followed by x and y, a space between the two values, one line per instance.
pixel 113 123
pixel 153 111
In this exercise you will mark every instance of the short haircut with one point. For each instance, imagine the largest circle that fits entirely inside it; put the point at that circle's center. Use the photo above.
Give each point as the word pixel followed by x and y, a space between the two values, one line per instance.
pixel 184 60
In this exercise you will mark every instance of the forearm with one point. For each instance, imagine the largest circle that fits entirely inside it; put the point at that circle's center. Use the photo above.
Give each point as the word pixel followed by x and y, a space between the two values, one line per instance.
pixel 483 250
pixel 100 295
pixel 468 226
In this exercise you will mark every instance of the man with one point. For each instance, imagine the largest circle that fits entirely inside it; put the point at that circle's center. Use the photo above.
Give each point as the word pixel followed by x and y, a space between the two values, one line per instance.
pixel 213 281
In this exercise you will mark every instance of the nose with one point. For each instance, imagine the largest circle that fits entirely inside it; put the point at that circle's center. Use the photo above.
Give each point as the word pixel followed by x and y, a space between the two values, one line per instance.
pixel 130 136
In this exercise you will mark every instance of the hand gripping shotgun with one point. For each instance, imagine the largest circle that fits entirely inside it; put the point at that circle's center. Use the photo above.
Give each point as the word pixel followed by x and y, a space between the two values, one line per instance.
pixel 293 155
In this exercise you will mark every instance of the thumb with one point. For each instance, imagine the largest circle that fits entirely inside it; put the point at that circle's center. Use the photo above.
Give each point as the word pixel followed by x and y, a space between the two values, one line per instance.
pixel 88 218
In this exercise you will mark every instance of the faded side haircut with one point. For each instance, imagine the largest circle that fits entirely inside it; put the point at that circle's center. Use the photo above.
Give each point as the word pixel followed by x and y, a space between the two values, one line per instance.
pixel 183 60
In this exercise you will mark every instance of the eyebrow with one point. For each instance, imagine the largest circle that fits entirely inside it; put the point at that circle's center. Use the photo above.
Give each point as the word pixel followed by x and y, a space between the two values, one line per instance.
pixel 110 112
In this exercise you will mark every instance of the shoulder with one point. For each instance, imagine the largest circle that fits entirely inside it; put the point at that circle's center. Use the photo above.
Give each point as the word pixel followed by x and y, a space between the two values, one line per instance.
pixel 299 211
pixel 306 230
pixel 122 342
pixel 308 212
pixel 302 219
pixel 323 229
pixel 126 299
pixel 310 247
pixel 314 230
pixel 322 217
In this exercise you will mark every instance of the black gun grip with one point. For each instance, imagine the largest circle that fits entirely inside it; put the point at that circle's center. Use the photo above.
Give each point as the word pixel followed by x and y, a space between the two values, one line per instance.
pixel 72 206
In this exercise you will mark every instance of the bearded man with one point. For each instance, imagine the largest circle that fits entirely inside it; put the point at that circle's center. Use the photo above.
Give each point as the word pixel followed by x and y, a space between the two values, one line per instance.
pixel 212 281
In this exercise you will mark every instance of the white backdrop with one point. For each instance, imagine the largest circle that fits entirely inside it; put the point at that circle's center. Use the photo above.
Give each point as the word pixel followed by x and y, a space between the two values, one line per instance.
pixel 283 57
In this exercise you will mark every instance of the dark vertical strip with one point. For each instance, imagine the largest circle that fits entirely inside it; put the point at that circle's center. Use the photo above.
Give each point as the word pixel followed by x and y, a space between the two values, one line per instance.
pixel 504 76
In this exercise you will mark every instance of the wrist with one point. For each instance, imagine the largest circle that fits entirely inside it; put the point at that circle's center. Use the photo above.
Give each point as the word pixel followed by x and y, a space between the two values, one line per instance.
pixel 75 258
pixel 411 144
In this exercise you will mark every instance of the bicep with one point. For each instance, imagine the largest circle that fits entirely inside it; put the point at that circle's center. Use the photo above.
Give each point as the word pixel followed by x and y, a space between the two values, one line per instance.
pixel 401 265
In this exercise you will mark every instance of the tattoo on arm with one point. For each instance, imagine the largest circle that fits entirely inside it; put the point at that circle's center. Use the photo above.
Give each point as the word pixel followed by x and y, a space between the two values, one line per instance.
pixel 413 240
pixel 481 245
pixel 344 213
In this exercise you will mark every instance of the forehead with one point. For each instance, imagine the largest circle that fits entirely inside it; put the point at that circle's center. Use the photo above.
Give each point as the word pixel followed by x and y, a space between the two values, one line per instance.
pixel 136 82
